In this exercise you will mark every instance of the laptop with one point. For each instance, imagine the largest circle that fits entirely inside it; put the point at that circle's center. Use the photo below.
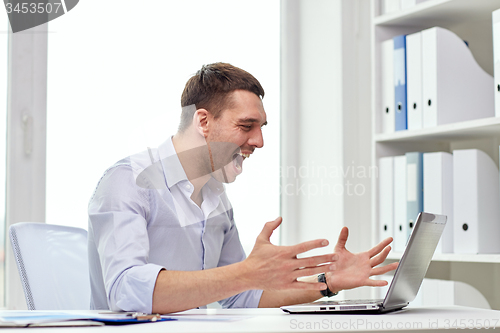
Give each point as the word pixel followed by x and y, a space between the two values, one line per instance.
pixel 407 278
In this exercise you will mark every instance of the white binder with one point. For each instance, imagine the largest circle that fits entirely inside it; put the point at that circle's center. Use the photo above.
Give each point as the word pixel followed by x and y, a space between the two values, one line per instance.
pixel 414 188
pixel 391 6
pixel 496 59
pixel 386 197
pixel 405 4
pixel 414 80
pixel 455 87
pixel 387 75
pixel 476 202
pixel 438 193
pixel 400 225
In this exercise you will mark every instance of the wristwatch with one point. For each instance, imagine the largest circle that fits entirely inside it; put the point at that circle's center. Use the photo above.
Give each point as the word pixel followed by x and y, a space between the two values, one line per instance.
pixel 327 292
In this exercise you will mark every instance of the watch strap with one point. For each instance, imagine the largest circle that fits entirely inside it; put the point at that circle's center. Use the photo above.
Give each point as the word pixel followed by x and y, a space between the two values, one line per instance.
pixel 327 292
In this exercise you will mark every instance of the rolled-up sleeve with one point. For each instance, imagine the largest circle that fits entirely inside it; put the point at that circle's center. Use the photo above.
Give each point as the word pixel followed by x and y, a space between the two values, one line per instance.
pixel 118 214
pixel 246 299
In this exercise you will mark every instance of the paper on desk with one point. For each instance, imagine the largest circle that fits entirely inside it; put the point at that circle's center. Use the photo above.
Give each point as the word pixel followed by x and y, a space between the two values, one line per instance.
pixel 30 317
pixel 190 317
pixel 125 318
pixel 42 318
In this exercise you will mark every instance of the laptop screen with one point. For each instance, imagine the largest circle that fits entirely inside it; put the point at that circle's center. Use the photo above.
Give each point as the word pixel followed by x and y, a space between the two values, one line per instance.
pixel 415 260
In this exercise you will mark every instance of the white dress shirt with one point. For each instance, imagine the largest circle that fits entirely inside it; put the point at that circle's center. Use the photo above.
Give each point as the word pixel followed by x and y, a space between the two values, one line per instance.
pixel 142 220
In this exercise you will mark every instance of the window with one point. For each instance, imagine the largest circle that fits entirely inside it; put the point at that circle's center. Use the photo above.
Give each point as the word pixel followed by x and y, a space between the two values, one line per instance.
pixel 116 70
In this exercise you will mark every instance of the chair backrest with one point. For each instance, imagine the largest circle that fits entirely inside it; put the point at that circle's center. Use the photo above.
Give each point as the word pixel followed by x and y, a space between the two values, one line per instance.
pixel 53 265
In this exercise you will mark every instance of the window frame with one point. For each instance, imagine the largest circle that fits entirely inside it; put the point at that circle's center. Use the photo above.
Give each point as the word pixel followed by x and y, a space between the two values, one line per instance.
pixel 26 143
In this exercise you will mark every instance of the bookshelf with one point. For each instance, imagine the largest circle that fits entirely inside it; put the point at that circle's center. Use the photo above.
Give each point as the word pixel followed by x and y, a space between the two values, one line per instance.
pixel 438 12
pixel 473 129
pixel 471 21
pixel 453 257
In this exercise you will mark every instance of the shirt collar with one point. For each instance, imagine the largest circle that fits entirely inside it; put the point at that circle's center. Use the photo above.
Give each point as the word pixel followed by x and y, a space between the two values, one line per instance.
pixel 174 172
pixel 172 167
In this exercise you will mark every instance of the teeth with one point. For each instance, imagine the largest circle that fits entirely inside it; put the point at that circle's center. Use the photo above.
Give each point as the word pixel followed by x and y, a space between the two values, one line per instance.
pixel 245 155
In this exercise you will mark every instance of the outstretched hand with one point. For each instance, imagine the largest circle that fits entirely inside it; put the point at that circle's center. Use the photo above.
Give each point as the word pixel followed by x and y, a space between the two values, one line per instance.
pixel 354 270
pixel 272 267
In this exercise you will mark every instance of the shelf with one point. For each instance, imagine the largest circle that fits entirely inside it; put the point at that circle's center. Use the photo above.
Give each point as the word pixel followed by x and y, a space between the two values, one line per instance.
pixel 472 129
pixel 440 13
pixel 453 257
pixel 471 20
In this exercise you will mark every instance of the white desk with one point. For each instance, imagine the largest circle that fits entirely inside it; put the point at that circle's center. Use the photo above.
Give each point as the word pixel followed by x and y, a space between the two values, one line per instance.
pixel 436 319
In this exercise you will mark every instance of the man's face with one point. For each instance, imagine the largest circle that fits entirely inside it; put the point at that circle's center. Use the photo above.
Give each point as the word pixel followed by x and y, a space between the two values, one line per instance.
pixel 241 125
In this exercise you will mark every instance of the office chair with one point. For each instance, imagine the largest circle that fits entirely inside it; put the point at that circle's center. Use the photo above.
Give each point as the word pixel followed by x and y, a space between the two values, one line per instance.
pixel 53 265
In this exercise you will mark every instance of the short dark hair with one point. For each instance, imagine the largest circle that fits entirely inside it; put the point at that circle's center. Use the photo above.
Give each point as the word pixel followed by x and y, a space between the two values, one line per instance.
pixel 210 88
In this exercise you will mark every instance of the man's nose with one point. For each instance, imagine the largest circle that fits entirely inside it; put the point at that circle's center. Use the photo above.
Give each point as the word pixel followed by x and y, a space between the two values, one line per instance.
pixel 257 140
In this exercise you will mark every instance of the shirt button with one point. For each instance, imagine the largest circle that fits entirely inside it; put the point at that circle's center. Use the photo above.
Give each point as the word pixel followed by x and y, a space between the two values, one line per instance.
pixel 188 186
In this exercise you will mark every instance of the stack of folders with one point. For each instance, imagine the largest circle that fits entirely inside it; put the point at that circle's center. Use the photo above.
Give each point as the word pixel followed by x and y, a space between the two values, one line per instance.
pixel 464 185
pixel 394 6
pixel 431 78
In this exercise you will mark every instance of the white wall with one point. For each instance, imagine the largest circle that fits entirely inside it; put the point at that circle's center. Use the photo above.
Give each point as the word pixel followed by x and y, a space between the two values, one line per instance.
pixel 325 120
pixel 326 125
pixel 357 122
pixel 312 135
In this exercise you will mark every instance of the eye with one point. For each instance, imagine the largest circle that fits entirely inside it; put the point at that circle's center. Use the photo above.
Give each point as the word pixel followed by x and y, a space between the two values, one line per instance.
pixel 246 127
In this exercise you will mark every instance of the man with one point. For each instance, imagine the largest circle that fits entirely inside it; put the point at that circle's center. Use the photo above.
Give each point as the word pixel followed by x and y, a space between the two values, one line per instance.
pixel 161 232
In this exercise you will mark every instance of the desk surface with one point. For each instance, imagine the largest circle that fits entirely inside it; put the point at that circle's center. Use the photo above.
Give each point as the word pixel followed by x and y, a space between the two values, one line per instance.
pixel 435 319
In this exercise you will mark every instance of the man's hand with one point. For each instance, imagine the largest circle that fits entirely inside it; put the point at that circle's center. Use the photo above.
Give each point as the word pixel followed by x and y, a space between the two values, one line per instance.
pixel 354 270
pixel 270 267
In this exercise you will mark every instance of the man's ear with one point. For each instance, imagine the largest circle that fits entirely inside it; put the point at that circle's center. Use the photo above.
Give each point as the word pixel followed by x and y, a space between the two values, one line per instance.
pixel 200 122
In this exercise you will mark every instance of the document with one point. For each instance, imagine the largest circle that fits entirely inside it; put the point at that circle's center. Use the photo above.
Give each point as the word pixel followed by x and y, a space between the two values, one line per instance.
pixel 414 75
pixel 455 87
pixel 476 198
pixel 400 225
pixel 11 318
pixel 400 82
pixel 438 193
pixel 414 188
pixel 386 197
pixel 390 6
pixel 387 111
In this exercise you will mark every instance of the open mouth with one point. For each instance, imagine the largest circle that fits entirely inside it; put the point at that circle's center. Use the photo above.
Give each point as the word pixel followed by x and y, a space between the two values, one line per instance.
pixel 238 161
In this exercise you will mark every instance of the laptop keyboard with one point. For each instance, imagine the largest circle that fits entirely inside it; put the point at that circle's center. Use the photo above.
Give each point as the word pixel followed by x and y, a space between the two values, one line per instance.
pixel 351 301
